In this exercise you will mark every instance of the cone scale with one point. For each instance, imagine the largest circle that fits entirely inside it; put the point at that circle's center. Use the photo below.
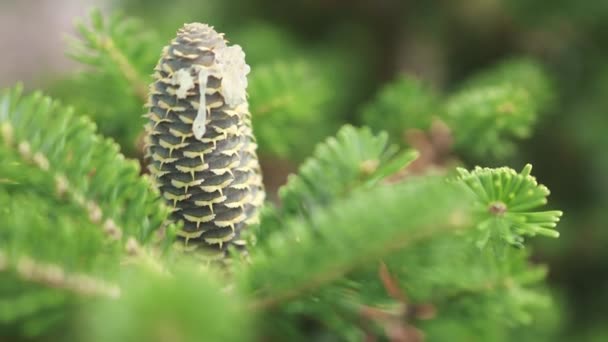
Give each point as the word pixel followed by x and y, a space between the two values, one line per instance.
pixel 199 140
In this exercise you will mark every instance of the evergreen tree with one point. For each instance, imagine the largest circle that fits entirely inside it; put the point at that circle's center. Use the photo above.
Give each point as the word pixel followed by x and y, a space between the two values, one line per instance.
pixel 384 232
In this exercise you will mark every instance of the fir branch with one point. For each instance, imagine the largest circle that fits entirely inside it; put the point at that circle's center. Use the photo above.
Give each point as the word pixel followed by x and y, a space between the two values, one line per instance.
pixel 468 273
pixel 496 292
pixel 120 54
pixel 189 305
pixel 28 172
pixel 352 160
pixel 368 225
pixel 499 284
pixel 494 108
pixel 521 72
pixel 505 203
pixel 53 276
pixel 499 290
pixel 402 105
pixel 90 167
pixel 103 45
pixel 485 119
pixel 52 255
pixel 398 242
pixel 140 88
pixel 287 100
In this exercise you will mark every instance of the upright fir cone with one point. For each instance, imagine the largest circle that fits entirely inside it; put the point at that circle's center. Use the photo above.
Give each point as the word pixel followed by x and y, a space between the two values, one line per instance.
pixel 200 139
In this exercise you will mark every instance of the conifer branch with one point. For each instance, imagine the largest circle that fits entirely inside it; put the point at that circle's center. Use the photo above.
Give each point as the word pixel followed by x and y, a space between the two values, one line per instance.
pixel 99 48
pixel 353 160
pixel 119 54
pixel 403 105
pixel 296 259
pixel 82 163
pixel 189 305
pixel 287 100
pixel 28 162
pixel 138 84
pixel 505 203
pixel 53 276
pixel 398 242
pixel 493 109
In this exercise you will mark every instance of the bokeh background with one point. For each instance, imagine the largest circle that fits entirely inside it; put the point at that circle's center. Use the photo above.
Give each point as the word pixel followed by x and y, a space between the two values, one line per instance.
pixel 356 46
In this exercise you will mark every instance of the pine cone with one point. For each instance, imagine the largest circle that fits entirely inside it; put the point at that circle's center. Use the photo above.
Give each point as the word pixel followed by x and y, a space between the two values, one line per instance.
pixel 200 139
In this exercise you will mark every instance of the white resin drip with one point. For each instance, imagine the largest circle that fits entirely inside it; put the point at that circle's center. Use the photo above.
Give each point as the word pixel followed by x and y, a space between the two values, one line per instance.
pixel 233 70
pixel 198 126
pixel 230 67
pixel 183 78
